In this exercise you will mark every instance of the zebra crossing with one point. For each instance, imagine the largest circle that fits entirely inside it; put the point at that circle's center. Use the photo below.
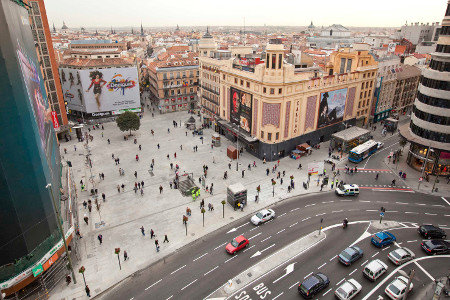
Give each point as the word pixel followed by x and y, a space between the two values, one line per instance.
pixel 385 186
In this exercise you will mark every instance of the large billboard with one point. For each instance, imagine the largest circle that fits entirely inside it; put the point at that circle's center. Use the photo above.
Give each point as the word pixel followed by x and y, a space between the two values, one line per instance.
pixel 246 64
pixel 241 109
pixel 72 89
pixel 331 108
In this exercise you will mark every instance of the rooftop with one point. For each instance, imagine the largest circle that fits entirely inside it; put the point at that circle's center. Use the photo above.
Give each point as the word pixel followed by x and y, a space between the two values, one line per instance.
pixel 99 62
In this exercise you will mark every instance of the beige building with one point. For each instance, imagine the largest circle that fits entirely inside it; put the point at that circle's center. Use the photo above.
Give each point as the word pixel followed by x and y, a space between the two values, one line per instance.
pixel 279 107
pixel 406 88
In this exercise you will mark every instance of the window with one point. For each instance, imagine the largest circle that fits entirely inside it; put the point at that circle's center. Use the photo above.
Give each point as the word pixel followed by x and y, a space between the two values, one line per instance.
pixel 224 77
pixel 248 84
pixel 349 65
pixel 172 92
pixel 274 61
pixel 362 85
pixel 262 134
pixel 235 81
pixel 342 68
pixel 364 75
pixel 264 90
pixel 361 95
pixel 242 82
pixel 277 136
pixel 267 60
pixel 269 136
pixel 178 74
pixel 370 92
pixel 280 91
pixel 367 84
pixel 272 91
pixel 371 83
pixel 280 60
pixel 359 104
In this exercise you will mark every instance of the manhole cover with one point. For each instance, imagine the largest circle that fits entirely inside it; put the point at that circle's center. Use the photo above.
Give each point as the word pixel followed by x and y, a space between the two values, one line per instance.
pixel 238 281
pixel 249 274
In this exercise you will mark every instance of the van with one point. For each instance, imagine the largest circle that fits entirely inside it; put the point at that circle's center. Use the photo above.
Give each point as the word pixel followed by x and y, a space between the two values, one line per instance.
pixel 375 269
pixel 347 190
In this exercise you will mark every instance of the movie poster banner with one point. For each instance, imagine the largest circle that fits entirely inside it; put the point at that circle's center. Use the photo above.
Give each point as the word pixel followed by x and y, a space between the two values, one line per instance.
pixel 110 89
pixel 241 109
pixel 72 89
pixel 332 107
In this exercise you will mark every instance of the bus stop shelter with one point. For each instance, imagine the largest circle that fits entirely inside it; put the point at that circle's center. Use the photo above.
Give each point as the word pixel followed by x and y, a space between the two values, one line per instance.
pixel 391 124
pixel 349 138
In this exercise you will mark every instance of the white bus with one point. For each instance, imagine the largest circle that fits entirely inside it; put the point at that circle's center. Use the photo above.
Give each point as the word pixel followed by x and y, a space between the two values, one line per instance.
pixel 363 151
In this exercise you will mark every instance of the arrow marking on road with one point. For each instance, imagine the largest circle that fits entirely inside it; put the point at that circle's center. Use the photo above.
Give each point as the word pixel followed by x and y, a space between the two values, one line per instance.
pixel 258 253
pixel 289 269
pixel 236 228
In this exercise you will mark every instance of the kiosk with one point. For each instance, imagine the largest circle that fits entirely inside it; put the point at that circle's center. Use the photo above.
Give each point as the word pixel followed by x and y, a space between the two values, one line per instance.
pixel 236 193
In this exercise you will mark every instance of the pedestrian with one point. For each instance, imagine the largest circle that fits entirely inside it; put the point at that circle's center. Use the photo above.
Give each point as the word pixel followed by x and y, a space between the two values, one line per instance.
pixel 118 161
pixel 209 206
pixel 142 183
pixel 152 234
pixel 160 189
pixel 165 238
pixel 143 230
pixel 284 173
pixel 84 204
pixel 186 133
pixel 158 146
pixel 123 187
pixel 109 142
pixel 278 162
pixel 88 291
pixel 400 173
pixel 103 176
pixel 185 220
pixel 118 188
pixel 175 155
pixel 171 166
pixel 100 238
pixel 86 219
pixel 249 167
pixel 332 183
pixel 140 147
pixel 157 245
pixel 243 171
pixel 90 207
pixel 104 197
pixel 281 181
pixel 318 181
pixel 170 184
pixel 125 255
pixel 168 156
pixel 168 130
pixel 254 164
pixel 229 166
pixel 75 147
pixel 120 171
pixel 65 151
pixel 181 147
pixel 139 185
pixel 356 169
pixel 289 188
pixel 299 166
pixel 207 189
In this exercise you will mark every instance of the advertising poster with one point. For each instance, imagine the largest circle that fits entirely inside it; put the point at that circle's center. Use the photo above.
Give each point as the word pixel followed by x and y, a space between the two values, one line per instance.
pixel 331 108
pixel 241 109
pixel 110 89
pixel 72 89
pixel 315 168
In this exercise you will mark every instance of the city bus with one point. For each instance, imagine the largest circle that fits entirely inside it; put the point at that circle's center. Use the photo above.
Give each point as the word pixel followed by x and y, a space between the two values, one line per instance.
pixel 363 151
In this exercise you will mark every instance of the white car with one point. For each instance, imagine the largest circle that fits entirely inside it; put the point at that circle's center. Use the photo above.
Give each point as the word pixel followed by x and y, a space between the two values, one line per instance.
pixel 380 145
pixel 401 255
pixel 263 216
pixel 397 288
pixel 348 290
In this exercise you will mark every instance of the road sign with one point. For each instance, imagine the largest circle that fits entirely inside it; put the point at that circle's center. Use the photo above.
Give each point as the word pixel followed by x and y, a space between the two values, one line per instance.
pixel 37 270
pixel 381 214
pixel 421 179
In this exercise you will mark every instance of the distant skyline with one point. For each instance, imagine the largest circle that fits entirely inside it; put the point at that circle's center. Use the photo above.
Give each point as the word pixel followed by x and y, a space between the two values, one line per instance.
pixel 351 13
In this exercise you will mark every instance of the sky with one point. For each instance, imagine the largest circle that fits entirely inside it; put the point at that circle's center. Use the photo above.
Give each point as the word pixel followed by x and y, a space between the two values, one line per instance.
pixel 152 13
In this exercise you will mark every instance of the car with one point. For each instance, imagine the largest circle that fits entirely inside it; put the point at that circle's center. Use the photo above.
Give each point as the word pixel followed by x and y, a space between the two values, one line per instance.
pixel 313 285
pixel 350 255
pixel 237 244
pixel 263 216
pixel 397 288
pixel 431 232
pixel 347 190
pixel 401 255
pixel 436 247
pixel 375 269
pixel 383 238
pixel 380 145
pixel 348 290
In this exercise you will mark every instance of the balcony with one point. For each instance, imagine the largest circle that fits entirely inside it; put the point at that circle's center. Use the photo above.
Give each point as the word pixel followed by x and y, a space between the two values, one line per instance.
pixel 210 110
pixel 211 100
pixel 210 90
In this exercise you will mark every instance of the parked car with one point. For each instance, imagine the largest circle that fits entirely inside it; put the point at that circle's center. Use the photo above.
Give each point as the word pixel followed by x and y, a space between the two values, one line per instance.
pixel 436 247
pixel 401 255
pixel 237 244
pixel 375 269
pixel 313 285
pixel 397 288
pixel 383 238
pixel 431 232
pixel 350 255
pixel 348 290
pixel 263 216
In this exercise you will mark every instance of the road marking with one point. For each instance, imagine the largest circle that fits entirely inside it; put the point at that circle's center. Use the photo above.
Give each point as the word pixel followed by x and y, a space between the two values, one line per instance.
pixel 431 214
pixel 231 258
pixel 442 225
pixel 278 296
pixel 321 214
pixel 154 284
pixel 401 203
pixel 210 271
pixel 438 205
pixel 131 298
pixel 248 248
pixel 410 212
pixel 266 238
pixel 236 228
pixel 412 241
pixel 321 266
pixel 306 219
pixel 447 215
pixel 169 297
pixel 255 235
pixel 281 231
pixel 337 211
pixel 310 205
pixel 386 248
pixel 346 200
pixel 352 272
pixel 294 284
pixel 307 275
pixel 328 202
pixel 267 248
pixel 253 229
pixel 365 201
pixel 353 209
pixel 200 256
pixel 220 246
pixel 281 215
pixel 326 292
pixel 293 224
pixel 333 257
pixel 177 270
pixel 445 200
pixel 189 284
pixel 420 203
pixel 295 209
pixel 340 281
pixel 364 263
pixel 423 270
pixel 371 210
pixel 376 254
pixel 392 211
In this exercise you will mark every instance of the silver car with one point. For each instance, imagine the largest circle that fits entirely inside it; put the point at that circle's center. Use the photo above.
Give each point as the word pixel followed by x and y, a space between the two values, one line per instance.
pixel 401 255
pixel 348 290
pixel 263 216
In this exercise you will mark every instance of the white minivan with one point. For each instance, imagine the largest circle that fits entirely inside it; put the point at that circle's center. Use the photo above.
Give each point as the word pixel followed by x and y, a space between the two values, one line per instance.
pixel 375 269
pixel 347 190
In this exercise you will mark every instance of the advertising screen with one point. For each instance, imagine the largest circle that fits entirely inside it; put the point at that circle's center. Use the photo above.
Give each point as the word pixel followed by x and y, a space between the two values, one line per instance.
pixel 331 108
pixel 241 109
pixel 72 89
pixel 110 89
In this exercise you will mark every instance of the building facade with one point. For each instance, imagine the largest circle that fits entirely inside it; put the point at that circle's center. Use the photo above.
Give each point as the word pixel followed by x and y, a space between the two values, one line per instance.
pixel 429 130
pixel 405 88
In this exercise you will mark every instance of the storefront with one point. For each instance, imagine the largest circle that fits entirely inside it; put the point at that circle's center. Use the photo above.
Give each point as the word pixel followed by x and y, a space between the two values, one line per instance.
pixel 438 161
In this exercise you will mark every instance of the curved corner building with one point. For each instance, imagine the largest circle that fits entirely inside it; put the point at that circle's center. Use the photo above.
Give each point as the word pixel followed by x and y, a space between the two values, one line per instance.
pixel 430 119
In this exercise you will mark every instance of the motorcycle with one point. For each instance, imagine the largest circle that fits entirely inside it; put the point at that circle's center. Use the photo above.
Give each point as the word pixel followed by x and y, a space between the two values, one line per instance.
pixel 328 161
pixel 335 156
pixel 345 223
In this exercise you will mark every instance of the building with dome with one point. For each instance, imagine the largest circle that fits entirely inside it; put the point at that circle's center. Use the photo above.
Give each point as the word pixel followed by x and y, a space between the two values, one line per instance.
pixel 333 37
pixel 311 29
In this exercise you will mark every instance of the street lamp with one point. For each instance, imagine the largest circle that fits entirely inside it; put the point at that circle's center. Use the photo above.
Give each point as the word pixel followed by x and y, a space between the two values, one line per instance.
pixel 425 164
pixel 58 219
pixel 410 277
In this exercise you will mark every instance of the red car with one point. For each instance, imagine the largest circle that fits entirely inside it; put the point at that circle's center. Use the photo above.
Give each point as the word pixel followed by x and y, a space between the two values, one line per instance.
pixel 237 244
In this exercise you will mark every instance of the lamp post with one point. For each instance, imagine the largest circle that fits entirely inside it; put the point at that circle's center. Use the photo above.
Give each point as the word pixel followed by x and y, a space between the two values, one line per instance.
pixel 237 144
pixel 58 219
pixel 425 164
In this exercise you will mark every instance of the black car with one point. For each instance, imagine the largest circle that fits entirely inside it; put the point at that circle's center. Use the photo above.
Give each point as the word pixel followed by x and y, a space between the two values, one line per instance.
pixel 436 247
pixel 313 284
pixel 431 232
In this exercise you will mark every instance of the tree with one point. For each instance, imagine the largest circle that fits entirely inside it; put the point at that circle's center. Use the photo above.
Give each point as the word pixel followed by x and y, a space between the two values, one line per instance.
pixel 203 212
pixel 128 121
pixel 223 206
pixel 403 142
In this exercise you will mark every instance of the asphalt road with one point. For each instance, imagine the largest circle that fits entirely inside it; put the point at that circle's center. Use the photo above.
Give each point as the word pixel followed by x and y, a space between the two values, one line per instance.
pixel 200 268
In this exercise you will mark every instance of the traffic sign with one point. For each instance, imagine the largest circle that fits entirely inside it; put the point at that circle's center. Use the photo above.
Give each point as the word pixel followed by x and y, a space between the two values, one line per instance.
pixel 37 270
pixel 381 214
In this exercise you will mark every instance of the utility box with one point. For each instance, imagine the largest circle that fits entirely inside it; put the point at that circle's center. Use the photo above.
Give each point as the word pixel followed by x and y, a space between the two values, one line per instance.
pixel 236 193
pixel 232 152
pixel 216 140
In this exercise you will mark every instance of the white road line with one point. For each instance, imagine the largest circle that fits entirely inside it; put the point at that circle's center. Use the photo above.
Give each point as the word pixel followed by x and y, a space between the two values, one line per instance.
pixel 333 257
pixel 310 205
pixel 281 231
pixel 189 284
pixel 364 263
pixel 431 214
pixel 255 236
pixel 154 284
pixel 321 214
pixel 337 211
pixel 293 224
pixel 352 272
pixel 230 258
pixel 281 215
pixel 253 229
pixel 307 275
pixel 266 238
pixel 386 248
pixel 392 211
pixel 328 202
pixel 423 270
pixel 412 241
pixel 277 296
pixel 410 212
pixel 248 248
pixel 295 209
pixel 267 248
pixel 210 271
pixel 220 246
pixel 365 201
pixel 442 225
pixel 306 219
pixel 446 215
pixel 420 203
pixel 326 292
pixel 353 209
pixel 445 200
pixel 371 210
pixel 169 297
pixel 294 284
pixel 376 254
pixel 438 205
pixel 200 256
pixel 321 266
pixel 177 270
pixel 346 200
pixel 340 281
pixel 401 203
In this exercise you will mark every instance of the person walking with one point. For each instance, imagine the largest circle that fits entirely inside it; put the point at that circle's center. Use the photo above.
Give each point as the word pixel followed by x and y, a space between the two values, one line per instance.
pixel 157 245
pixel 100 238
pixel 142 192
pixel 125 255
pixel 267 171
pixel 160 189
pixel 118 188
pixel 135 174
pixel 143 230
pixel 229 166
pixel 86 219
pixel 123 187
pixel 88 291
pixel 175 155
pixel 152 234
pixel 165 238
pixel 140 147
